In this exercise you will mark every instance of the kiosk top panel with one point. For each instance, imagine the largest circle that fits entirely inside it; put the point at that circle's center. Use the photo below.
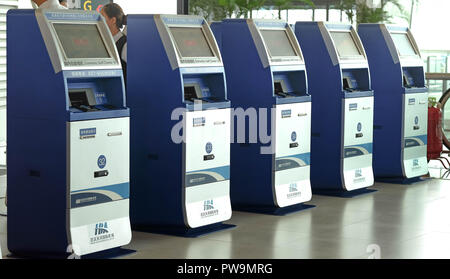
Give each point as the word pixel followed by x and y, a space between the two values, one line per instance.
pixel 399 40
pixel 77 40
pixel 191 42
pixel 403 44
pixel 188 41
pixel 81 41
pixel 277 41
pixel 345 44
pixel 345 41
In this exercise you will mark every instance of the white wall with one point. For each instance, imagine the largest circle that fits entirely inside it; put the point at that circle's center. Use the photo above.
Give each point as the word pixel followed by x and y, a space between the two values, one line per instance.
pixel 2 136
pixel 2 126
pixel 429 23
pixel 148 6
pixel 134 6
pixel 25 4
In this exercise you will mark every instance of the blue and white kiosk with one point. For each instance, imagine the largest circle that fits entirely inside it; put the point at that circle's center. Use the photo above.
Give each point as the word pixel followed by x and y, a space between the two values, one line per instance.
pixel 401 102
pixel 342 108
pixel 267 84
pixel 68 134
pixel 180 126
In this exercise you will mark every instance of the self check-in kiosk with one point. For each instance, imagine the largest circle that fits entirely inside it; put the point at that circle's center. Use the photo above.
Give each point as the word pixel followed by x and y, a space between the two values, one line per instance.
pixel 401 102
pixel 68 135
pixel 267 84
pixel 180 126
pixel 342 108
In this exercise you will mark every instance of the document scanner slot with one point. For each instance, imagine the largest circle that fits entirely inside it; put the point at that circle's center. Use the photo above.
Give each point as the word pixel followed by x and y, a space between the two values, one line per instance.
pixel 82 99
pixel 191 93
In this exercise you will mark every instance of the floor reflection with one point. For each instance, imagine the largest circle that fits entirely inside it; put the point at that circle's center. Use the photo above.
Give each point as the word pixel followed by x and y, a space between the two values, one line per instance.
pixel 404 221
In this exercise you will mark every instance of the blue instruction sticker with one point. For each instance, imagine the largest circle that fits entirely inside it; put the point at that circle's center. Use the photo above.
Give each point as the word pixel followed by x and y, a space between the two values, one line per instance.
pixel 88 132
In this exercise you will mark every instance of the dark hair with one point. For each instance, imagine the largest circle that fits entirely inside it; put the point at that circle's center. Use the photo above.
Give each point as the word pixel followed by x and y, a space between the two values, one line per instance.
pixel 62 1
pixel 114 10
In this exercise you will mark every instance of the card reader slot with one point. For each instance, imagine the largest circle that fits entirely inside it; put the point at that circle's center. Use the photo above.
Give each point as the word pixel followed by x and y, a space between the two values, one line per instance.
pixel 197 100
pixel 80 99
pixel 280 90
pixel 406 83
pixel 87 108
pixel 192 93
pixel 102 173
pixel 212 99
pixel 208 157
pixel 110 107
pixel 348 85
pixel 189 93
pixel 278 87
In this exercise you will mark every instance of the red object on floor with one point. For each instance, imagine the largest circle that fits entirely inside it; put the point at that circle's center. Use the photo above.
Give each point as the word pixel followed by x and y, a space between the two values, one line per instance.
pixel 434 144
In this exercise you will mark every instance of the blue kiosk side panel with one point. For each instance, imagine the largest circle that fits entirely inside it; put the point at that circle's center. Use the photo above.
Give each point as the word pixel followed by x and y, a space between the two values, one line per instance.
pixel 216 28
pixel 155 162
pixel 36 171
pixel 326 126
pixel 249 177
pixel 385 75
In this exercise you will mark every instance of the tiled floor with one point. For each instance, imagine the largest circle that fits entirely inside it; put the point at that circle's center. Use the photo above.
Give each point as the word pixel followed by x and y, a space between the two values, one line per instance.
pixel 405 221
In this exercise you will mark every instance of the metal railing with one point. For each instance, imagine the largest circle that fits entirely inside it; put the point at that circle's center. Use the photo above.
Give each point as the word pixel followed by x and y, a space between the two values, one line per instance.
pixel 444 77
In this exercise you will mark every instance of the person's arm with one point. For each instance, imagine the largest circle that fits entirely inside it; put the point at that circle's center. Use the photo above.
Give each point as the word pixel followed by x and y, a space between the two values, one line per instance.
pixel 124 53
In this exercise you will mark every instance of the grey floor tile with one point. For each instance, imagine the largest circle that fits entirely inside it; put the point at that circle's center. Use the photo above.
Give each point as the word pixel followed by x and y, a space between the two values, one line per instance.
pixel 434 245
pixel 192 249
pixel 403 221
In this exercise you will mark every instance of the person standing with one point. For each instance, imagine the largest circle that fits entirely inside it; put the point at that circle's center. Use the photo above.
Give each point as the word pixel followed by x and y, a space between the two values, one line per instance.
pixel 116 20
pixel 63 3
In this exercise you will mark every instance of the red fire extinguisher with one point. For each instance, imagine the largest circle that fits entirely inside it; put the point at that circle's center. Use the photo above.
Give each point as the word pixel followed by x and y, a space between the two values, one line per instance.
pixel 434 144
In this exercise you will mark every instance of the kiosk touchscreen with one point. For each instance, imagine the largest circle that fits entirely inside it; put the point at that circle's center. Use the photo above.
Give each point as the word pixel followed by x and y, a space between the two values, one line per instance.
pixel 68 134
pixel 180 137
pixel 267 84
pixel 401 102
pixel 342 108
